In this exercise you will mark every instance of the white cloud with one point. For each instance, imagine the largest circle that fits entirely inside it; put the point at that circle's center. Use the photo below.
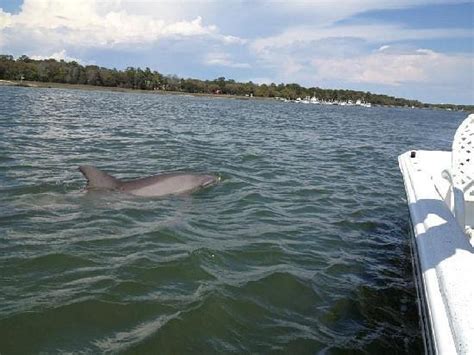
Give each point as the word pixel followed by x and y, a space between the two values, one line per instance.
pixel 112 23
pixel 4 22
pixel 223 59
pixel 375 33
pixel 5 19
pixel 61 55
pixel 419 66
pixel 92 23
pixel 260 80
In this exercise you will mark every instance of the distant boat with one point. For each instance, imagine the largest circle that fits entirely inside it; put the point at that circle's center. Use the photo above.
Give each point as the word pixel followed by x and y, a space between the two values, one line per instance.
pixel 359 102
pixel 317 101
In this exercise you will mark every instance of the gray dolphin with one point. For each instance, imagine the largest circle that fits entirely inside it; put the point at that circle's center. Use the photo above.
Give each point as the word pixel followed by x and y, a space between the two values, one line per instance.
pixel 156 185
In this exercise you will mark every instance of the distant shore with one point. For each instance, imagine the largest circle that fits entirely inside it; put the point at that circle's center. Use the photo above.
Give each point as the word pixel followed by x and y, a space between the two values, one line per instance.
pixel 87 87
pixel 50 73
pixel 40 84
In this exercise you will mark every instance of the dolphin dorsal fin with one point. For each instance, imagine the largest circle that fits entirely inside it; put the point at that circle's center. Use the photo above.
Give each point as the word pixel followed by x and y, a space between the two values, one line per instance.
pixel 98 179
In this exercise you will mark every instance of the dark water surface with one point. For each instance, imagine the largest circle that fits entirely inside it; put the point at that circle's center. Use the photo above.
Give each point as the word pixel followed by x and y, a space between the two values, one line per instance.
pixel 303 247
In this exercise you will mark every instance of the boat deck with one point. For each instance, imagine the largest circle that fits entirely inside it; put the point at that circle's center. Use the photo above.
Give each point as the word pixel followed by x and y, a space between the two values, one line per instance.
pixel 445 258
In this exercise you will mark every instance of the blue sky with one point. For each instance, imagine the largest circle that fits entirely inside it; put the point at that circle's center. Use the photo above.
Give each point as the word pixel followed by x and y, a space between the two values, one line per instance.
pixel 421 49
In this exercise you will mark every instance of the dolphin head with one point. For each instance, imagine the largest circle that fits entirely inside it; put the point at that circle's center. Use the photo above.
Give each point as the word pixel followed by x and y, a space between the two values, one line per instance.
pixel 208 180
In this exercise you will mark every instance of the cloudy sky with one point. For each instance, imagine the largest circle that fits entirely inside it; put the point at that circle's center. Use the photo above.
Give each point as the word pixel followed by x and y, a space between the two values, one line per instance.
pixel 422 49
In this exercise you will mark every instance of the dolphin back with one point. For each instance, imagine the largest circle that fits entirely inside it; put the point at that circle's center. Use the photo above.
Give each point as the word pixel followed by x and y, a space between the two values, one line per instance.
pixel 98 179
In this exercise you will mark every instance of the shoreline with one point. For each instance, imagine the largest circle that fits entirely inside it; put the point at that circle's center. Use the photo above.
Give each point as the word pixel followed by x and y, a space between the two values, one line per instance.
pixel 50 85
pixel 86 87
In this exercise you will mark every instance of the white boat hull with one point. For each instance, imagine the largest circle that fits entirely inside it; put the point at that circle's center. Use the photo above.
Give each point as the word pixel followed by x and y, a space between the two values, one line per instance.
pixel 444 257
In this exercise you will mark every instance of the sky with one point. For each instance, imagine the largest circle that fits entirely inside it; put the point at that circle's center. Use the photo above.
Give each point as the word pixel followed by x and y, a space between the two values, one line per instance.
pixel 416 49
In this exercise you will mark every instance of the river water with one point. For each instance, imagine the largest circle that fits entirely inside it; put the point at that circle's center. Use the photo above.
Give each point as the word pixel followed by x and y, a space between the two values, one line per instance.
pixel 303 247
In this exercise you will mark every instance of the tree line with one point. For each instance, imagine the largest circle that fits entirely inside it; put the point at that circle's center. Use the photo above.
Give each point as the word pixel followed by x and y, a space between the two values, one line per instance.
pixel 54 71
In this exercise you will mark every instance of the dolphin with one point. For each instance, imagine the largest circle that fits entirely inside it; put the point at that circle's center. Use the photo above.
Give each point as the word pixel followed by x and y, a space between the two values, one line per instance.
pixel 151 186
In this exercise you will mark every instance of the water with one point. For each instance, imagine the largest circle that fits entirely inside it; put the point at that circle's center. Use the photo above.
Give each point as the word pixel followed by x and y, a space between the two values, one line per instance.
pixel 302 248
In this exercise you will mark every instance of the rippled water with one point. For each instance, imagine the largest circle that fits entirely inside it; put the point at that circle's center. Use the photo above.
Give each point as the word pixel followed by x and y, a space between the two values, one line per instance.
pixel 302 247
